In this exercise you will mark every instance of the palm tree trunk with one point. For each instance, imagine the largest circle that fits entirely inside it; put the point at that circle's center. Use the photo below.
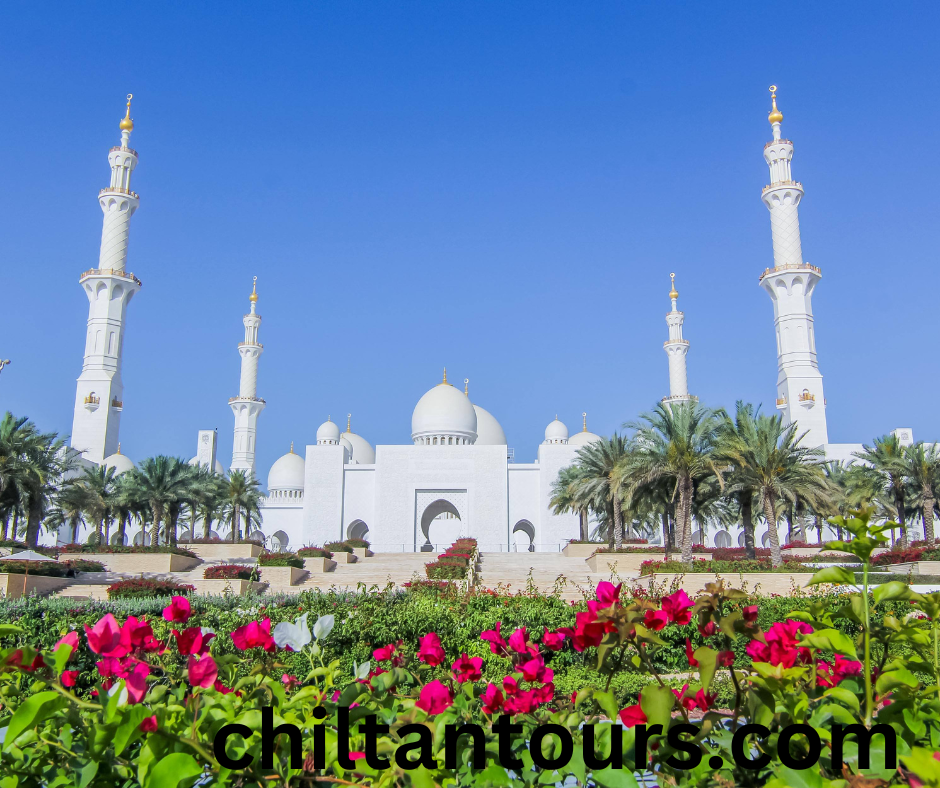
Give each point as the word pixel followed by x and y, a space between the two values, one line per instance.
pixel 789 516
pixel 819 526
pixel 770 515
pixel 33 516
pixel 666 545
pixel 899 502
pixel 927 512
pixel 584 525
pixel 747 524
pixel 155 528
pixel 236 522
pixel 6 527
pixel 98 529
pixel 685 519
pixel 74 528
pixel 618 522
pixel 122 528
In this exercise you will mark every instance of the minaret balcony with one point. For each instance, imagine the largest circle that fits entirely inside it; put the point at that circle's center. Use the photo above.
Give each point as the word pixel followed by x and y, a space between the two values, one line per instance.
pixel 124 150
pixel 790 267
pixel 109 272
pixel 669 342
pixel 251 344
pixel 117 404
pixel 777 142
pixel 119 190
pixel 679 398
pixel 807 400
pixel 781 403
pixel 776 185
pixel 92 402
pixel 246 399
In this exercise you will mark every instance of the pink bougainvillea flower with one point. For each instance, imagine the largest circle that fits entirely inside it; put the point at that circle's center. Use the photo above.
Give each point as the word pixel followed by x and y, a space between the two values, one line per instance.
pixel 136 682
pixel 498 644
pixel 708 630
pixel 846 668
pixel 193 641
pixel 467 668
pixel 725 659
pixel 134 633
pixel 523 702
pixel 587 630
pixel 109 666
pixel 430 651
pixel 178 611
pixel 519 642
pixel 607 594
pixel 148 724
pixel 254 635
pixel 554 641
pixel 750 613
pixel 533 669
pixel 435 698
pixel 202 671
pixel 68 678
pixel 655 620
pixel 356 755
pixel 632 716
pixel 104 637
pixel 390 653
pixel 545 693
pixel 781 646
pixel 289 681
pixel 151 645
pixel 678 607
pixel 71 639
pixel 510 686
pixel 221 688
pixel 689 652
pixel 492 699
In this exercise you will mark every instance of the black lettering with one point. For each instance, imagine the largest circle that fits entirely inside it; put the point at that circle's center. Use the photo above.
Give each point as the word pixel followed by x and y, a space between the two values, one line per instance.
pixel 268 735
pixel 674 740
pixel 535 746
pixel 319 739
pixel 451 735
pixel 425 743
pixel 783 747
pixel 371 731
pixel 342 738
pixel 737 747
pixel 503 725
pixel 615 759
pixel 642 741
pixel 218 746
pixel 863 736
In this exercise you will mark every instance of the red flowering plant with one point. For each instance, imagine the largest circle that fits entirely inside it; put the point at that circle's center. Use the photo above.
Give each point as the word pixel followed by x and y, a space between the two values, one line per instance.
pixel 153 721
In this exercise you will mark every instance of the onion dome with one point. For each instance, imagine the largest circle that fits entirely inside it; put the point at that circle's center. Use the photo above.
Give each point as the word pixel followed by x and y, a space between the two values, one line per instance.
pixel 287 473
pixel 556 432
pixel 219 468
pixel 127 124
pixel 360 450
pixel 120 462
pixel 444 416
pixel 328 433
pixel 775 116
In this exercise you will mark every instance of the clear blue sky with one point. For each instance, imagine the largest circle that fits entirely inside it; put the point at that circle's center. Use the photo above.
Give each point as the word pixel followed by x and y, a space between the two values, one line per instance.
pixel 501 188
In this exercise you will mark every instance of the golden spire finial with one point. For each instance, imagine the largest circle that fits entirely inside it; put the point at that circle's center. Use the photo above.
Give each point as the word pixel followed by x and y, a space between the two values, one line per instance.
pixel 466 386
pixel 291 447
pixel 584 421
pixel 254 291
pixel 673 293
pixel 119 448
pixel 445 375
pixel 775 116
pixel 348 421
pixel 127 124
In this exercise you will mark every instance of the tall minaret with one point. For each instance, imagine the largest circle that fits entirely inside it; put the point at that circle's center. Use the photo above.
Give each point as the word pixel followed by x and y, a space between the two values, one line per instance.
pixel 247 406
pixel 676 349
pixel 790 284
pixel 99 396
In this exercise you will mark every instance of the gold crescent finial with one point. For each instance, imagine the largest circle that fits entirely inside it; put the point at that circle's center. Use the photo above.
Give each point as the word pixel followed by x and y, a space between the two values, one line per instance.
pixel 291 447
pixel 348 421
pixel 254 291
pixel 445 375
pixel 119 448
pixel 466 386
pixel 584 421
pixel 673 293
pixel 127 124
pixel 775 116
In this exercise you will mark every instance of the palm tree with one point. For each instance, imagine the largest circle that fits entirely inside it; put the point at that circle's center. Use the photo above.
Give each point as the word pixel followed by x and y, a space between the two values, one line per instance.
pixel 675 444
pixel 207 499
pixel 158 482
pixel 771 461
pixel 68 508
pixel 242 494
pixel 99 491
pixel 923 472
pixel 886 459
pixel 565 499
pixel 126 506
pixel 600 485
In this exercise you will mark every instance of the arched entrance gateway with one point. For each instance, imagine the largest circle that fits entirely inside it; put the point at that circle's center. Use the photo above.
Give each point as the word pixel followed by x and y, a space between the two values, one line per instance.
pixel 439 518
pixel 523 536
pixel 357 529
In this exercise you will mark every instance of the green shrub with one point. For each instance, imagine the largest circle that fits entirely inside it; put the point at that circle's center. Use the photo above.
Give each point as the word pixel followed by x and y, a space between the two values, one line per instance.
pixel 120 549
pixel 338 547
pixel 231 572
pixel 361 543
pixel 281 559
pixel 83 565
pixel 39 568
pixel 314 552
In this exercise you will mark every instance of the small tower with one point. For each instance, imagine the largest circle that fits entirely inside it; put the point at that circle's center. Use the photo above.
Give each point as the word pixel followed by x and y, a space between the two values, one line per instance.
pixel 99 396
pixel 790 284
pixel 676 350
pixel 247 406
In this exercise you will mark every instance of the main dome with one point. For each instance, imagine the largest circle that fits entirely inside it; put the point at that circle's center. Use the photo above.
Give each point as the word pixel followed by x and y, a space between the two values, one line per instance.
pixel 444 415
pixel 489 431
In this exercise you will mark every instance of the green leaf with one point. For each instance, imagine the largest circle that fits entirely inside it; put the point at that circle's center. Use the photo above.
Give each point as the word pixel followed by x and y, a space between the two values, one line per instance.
pixel 837 575
pixel 609 777
pixel 891 679
pixel 831 640
pixel 707 657
pixel 33 711
pixel 657 704
pixel 791 778
pixel 9 629
pixel 88 773
pixel 893 590
pixel 843 695
pixel 608 704
pixel 172 770
pixel 129 728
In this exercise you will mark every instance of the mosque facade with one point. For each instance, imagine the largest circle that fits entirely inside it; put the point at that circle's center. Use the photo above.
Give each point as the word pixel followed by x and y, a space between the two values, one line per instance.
pixel 457 476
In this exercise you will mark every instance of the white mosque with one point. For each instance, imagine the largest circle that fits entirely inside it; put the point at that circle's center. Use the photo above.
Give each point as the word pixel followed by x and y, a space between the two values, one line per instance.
pixel 457 476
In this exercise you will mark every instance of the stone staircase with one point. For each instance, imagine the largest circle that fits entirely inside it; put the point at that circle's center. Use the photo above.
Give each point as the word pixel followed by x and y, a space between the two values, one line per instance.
pixel 379 569
pixel 569 578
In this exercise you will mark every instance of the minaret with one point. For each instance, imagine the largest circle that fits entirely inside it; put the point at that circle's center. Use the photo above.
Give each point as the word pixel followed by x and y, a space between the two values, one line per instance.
pixel 676 349
pixel 247 406
pixel 790 284
pixel 99 396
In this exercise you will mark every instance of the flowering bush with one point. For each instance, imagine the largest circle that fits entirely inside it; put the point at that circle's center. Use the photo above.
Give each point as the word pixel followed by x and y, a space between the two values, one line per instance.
pixel 231 572
pixel 83 565
pixel 338 547
pixel 649 548
pixel 360 543
pixel 41 568
pixel 454 562
pixel 281 559
pixel 142 587
pixel 314 552
pixel 906 556
pixel 98 549
pixel 220 540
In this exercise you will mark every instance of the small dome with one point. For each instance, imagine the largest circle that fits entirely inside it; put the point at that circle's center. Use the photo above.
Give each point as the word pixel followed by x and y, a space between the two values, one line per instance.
pixel 444 412
pixel 328 433
pixel 362 451
pixel 120 462
pixel 556 432
pixel 489 431
pixel 287 473
pixel 583 438
pixel 219 469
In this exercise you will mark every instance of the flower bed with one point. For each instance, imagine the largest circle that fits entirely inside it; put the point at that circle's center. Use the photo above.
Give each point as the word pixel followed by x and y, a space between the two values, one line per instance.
pixel 698 548
pixel 82 565
pixel 219 540
pixel 454 562
pixel 281 559
pixel 231 572
pixel 724 567
pixel 338 547
pixel 909 556
pixel 360 543
pixel 36 568
pixel 143 587
pixel 314 552
pixel 126 549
